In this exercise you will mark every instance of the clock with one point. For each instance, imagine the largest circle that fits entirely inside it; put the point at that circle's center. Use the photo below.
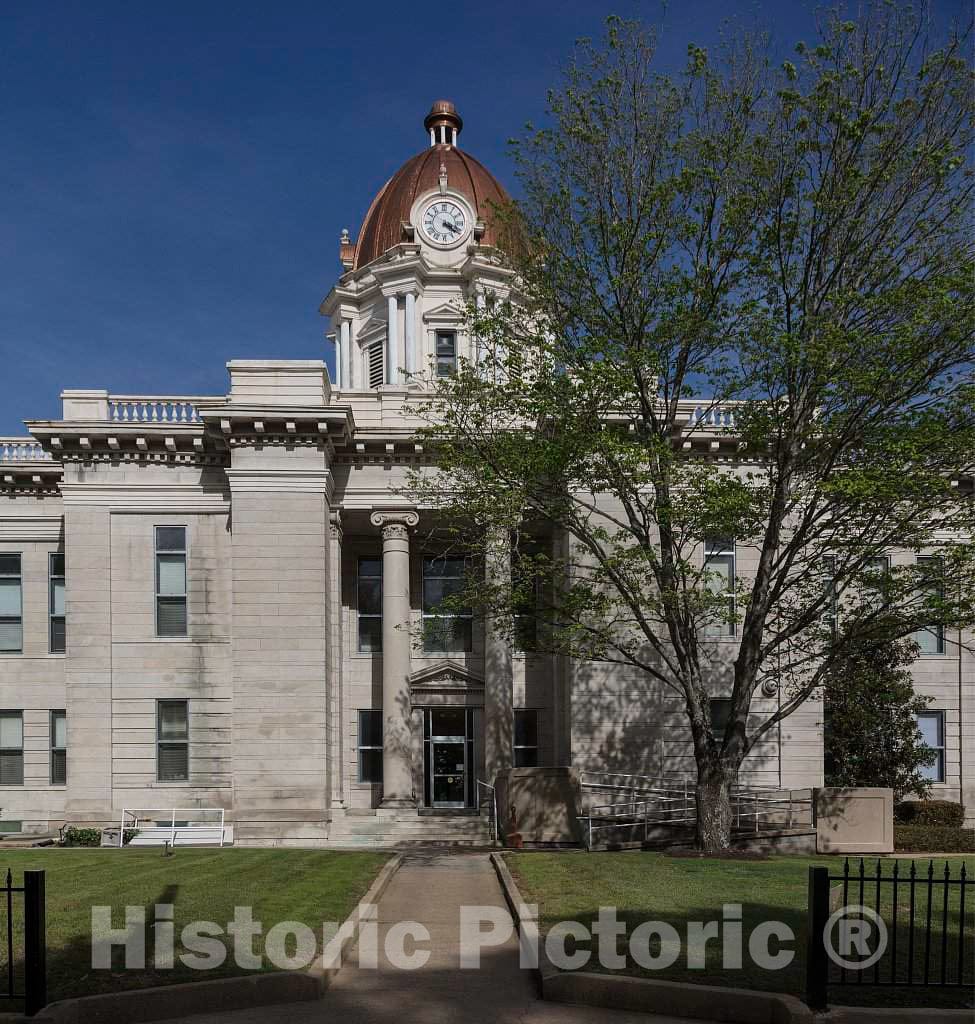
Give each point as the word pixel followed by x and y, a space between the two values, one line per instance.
pixel 444 222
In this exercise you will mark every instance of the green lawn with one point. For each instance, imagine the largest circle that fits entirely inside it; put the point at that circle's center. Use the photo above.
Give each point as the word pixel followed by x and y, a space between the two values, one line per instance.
pixel 311 886
pixel 652 886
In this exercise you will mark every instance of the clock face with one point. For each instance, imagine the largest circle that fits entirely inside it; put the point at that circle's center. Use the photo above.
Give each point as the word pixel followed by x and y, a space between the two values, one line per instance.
pixel 444 222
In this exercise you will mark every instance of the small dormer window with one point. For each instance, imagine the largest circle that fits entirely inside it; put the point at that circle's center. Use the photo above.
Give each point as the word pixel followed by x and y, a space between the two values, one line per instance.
pixel 446 353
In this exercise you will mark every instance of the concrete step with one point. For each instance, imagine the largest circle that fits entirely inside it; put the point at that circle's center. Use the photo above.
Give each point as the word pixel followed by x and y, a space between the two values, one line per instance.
pixel 411 829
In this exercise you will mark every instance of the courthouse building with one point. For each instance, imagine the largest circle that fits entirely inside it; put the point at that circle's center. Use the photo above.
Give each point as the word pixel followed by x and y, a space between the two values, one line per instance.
pixel 215 601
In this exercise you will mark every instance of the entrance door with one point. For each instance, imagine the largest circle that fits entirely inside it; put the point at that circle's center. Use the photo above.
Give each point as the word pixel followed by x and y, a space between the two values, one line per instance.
pixel 448 756
pixel 449 772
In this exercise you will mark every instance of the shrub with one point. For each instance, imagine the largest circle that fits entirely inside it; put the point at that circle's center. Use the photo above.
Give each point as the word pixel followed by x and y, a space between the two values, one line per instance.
pixel 83 837
pixel 933 839
pixel 930 812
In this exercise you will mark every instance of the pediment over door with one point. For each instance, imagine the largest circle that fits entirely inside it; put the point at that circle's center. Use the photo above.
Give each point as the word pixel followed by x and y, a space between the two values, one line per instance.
pixel 445 682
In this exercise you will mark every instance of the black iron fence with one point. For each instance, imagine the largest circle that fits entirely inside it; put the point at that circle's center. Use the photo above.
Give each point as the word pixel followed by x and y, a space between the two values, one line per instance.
pixel 898 925
pixel 30 983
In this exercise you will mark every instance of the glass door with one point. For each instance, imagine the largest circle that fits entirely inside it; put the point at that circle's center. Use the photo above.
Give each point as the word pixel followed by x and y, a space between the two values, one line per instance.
pixel 447 757
pixel 449 772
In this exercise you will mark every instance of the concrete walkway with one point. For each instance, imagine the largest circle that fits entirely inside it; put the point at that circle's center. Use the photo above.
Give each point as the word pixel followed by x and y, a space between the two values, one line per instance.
pixel 430 889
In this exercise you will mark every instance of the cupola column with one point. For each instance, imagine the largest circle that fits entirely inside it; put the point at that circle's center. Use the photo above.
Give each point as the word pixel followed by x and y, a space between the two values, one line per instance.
pixel 392 340
pixel 409 333
pixel 397 737
pixel 345 337
pixel 336 340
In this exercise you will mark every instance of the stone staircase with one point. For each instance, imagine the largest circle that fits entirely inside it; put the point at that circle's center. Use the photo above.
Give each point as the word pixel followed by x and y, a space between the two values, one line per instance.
pixel 405 828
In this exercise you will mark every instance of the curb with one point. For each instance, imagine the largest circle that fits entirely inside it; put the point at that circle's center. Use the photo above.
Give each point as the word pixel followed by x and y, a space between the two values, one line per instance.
pixel 620 992
pixel 259 989
pixel 894 1015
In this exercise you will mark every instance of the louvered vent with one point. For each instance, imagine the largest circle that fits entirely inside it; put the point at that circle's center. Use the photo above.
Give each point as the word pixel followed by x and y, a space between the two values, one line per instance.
pixel 377 374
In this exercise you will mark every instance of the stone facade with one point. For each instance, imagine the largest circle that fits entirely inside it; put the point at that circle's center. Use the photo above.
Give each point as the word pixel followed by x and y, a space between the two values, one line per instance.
pixel 282 487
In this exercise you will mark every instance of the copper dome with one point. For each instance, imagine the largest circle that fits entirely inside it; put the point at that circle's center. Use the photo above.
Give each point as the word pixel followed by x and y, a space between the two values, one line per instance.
pixel 382 227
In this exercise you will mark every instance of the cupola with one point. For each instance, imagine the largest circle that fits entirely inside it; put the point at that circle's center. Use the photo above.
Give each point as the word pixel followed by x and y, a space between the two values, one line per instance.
pixel 442 167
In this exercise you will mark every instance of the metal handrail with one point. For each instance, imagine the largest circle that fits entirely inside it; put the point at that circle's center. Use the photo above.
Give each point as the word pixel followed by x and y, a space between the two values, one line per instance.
pixel 172 828
pixel 659 807
pixel 494 801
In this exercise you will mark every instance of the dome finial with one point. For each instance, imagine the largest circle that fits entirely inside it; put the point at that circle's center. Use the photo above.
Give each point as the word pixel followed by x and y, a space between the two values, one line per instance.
pixel 443 123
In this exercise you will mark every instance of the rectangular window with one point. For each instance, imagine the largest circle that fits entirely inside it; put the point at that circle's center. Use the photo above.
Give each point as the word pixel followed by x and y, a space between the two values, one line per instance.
pixel 59 748
pixel 931 725
pixel 171 581
pixel 932 639
pixel 445 630
pixel 56 602
pixel 446 353
pixel 526 738
pixel 527 601
pixel 369 603
pixel 370 746
pixel 720 713
pixel 11 605
pixel 377 368
pixel 719 561
pixel 11 748
pixel 876 586
pixel 172 741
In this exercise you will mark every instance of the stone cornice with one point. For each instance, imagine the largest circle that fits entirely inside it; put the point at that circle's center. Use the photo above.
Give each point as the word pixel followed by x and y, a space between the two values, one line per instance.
pixel 113 441
pixel 325 427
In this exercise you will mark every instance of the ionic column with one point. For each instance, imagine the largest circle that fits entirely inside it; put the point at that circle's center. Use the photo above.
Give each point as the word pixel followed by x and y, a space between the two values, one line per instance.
pixel 392 340
pixel 409 333
pixel 345 334
pixel 498 671
pixel 397 755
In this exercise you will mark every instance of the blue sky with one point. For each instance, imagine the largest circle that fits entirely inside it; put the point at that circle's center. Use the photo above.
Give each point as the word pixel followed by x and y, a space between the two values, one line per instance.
pixel 174 177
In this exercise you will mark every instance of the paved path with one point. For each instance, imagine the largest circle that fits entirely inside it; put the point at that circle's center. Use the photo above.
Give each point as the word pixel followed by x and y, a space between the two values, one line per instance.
pixel 431 889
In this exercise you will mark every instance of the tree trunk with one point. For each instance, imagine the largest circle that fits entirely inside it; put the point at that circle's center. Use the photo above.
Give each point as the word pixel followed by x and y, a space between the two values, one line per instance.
pixel 714 816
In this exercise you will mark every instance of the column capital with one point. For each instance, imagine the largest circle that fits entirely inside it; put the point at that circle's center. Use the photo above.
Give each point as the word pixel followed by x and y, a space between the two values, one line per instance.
pixel 395 523
pixel 335 523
